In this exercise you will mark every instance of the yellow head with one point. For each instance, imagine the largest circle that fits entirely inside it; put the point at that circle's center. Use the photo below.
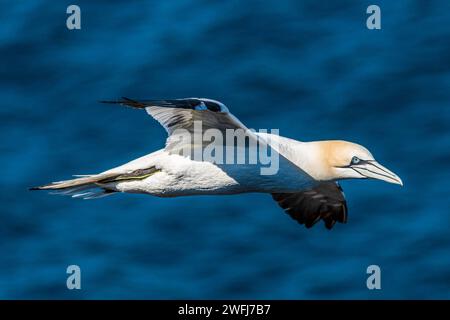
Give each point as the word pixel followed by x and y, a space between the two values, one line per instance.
pixel 345 160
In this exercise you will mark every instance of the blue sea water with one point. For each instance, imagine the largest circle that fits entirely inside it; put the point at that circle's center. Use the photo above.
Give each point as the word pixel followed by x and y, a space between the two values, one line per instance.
pixel 310 68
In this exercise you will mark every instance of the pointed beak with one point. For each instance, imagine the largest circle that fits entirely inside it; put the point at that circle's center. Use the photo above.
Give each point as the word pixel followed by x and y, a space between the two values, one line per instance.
pixel 374 170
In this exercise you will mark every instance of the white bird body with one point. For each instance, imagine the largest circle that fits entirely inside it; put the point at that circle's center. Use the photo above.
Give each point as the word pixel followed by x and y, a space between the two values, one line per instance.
pixel 179 176
pixel 176 176
pixel 304 182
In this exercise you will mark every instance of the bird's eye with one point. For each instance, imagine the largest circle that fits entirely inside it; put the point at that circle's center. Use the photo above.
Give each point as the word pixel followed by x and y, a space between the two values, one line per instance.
pixel 355 160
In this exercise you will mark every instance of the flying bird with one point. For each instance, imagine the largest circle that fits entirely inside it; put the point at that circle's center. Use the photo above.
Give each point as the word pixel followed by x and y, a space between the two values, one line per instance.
pixel 305 184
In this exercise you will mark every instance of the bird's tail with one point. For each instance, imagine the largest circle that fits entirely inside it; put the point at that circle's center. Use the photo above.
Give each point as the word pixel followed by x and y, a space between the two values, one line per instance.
pixel 96 186
pixel 86 187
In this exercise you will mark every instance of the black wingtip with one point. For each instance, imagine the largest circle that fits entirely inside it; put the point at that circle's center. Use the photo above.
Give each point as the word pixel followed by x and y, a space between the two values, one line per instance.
pixel 303 207
pixel 124 101
pixel 34 188
pixel 109 101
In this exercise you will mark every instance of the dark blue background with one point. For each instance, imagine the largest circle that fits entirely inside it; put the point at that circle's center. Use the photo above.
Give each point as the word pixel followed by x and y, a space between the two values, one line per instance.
pixel 309 68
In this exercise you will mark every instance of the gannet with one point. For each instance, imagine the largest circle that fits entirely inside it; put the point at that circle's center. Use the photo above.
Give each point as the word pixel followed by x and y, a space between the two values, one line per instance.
pixel 305 185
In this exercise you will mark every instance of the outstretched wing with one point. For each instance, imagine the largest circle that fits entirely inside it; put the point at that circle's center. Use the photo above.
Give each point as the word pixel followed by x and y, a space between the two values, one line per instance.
pixel 174 114
pixel 326 201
